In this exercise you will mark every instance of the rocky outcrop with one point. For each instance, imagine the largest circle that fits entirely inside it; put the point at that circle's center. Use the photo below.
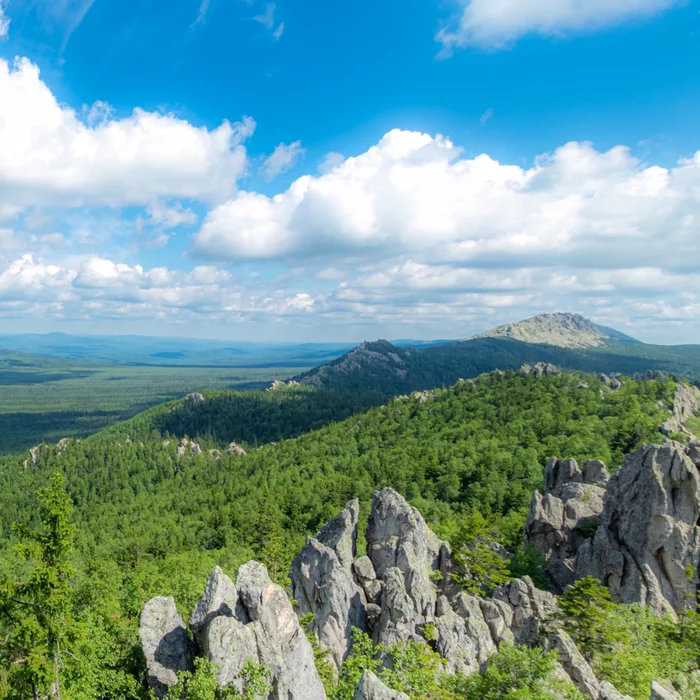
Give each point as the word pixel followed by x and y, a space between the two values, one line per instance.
pixel 404 553
pixel 371 688
pixel 401 591
pixel 188 447
pixel 637 531
pixel 561 520
pixel 165 644
pixel 323 583
pixel 649 537
pixel 234 449
pixel 541 369
pixel 251 620
pixel 686 403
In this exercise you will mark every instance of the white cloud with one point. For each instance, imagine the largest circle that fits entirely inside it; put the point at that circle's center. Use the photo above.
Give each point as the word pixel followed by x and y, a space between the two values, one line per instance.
pixel 167 217
pixel 413 194
pixel 282 159
pixel 497 23
pixel 4 20
pixel 49 156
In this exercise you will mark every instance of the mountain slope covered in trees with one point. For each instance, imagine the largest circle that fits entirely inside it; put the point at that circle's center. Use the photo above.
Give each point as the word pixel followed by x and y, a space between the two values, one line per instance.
pixel 566 340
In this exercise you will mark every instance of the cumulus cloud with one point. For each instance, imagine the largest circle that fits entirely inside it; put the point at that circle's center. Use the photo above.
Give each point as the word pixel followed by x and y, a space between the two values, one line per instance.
pixel 282 159
pixel 49 156
pixel 414 194
pixel 497 23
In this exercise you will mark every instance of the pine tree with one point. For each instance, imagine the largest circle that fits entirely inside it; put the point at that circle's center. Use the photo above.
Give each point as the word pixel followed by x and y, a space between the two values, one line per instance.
pixel 35 613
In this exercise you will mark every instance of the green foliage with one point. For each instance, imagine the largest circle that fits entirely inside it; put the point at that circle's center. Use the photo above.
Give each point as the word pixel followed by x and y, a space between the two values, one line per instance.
pixel 587 611
pixel 324 666
pixel 515 673
pixel 363 657
pixel 201 684
pixel 35 613
pixel 527 561
pixel 416 670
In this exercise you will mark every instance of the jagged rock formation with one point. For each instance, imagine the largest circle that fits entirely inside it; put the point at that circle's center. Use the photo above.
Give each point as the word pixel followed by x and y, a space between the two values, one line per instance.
pixel 165 644
pixel 564 330
pixel 323 583
pixel 647 537
pixel 371 688
pixel 252 619
pixel 369 358
pixel 279 384
pixel 560 521
pixel 686 403
pixel 401 591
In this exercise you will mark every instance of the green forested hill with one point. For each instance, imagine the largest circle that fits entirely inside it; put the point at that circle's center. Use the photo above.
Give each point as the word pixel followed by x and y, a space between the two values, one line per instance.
pixel 381 366
pixel 150 523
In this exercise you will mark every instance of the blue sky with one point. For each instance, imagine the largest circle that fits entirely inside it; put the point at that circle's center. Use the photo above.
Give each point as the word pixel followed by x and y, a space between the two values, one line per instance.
pixel 328 171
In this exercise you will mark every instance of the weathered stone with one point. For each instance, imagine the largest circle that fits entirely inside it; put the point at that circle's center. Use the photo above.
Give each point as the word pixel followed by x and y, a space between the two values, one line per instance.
pixel 686 403
pixel 371 688
pixel 364 569
pixel 340 534
pixel 649 534
pixel 282 645
pixel 498 615
pixel 532 609
pixel 165 644
pixel 399 539
pixel 576 667
pixel 323 586
pixel 463 636
pixel 229 643
pixel 219 598
pixel 662 692
pixel 609 692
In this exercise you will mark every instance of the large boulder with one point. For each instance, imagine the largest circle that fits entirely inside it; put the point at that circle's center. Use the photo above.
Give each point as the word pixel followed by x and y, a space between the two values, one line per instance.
pixel 371 688
pixel 165 644
pixel 560 521
pixel 649 537
pixel 663 692
pixel 220 598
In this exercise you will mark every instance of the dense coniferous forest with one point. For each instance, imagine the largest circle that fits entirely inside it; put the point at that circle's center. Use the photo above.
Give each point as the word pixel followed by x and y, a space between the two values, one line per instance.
pixel 149 521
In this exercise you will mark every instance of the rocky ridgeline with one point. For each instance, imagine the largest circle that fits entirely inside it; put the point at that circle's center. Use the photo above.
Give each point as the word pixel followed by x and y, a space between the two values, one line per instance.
pixel 397 592
pixel 637 531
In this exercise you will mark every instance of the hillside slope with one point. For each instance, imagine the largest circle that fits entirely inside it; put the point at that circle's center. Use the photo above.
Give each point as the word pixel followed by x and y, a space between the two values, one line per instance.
pixel 566 340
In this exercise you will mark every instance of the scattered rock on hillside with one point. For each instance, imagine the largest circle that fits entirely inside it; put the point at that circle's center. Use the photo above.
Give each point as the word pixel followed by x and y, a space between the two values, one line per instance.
pixel 165 644
pixel 188 447
pixel 234 449
pixel 541 369
pixel 662 692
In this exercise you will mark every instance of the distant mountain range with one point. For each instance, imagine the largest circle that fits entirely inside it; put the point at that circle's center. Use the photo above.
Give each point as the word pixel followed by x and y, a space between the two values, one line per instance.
pixel 568 340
